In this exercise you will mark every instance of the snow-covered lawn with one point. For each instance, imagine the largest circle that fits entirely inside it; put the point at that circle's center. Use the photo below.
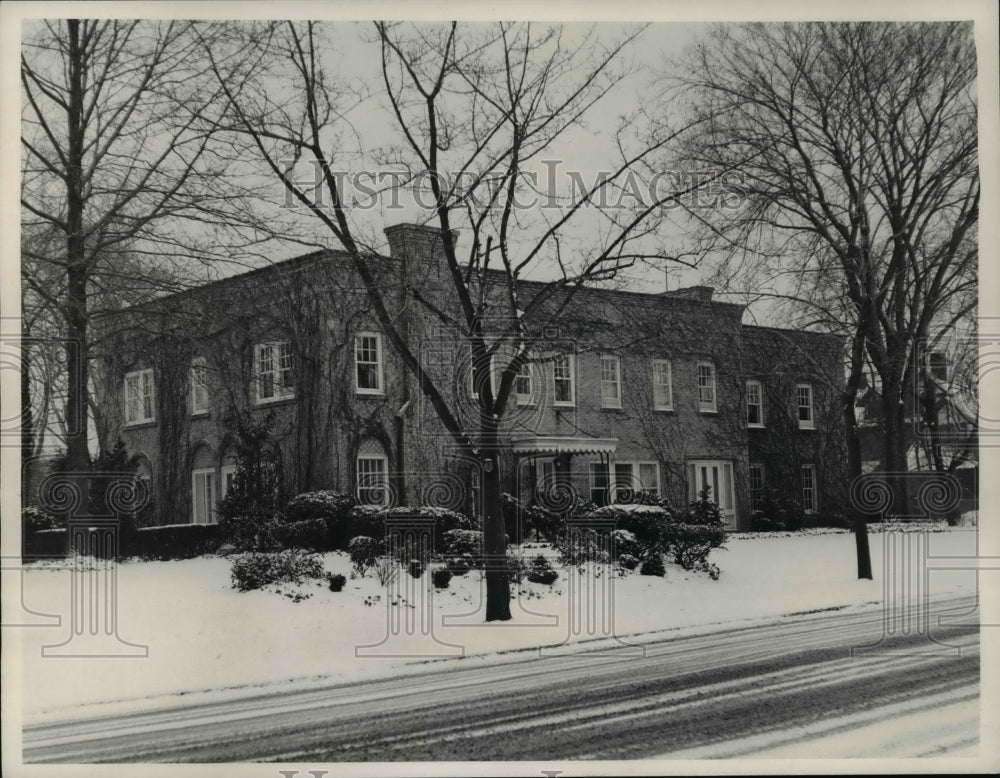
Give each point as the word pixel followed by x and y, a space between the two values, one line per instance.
pixel 202 635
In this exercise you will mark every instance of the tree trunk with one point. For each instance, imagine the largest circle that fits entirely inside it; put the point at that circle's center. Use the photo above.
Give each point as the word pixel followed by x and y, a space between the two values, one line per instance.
pixel 858 519
pixel 494 540
pixel 77 452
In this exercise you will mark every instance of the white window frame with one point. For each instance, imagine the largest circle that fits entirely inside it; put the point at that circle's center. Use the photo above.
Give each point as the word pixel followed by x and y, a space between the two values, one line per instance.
pixel 710 405
pixel 810 423
pixel 754 498
pixel 472 377
pixel 379 363
pixel 527 373
pixel 759 386
pixel 611 381
pixel 657 367
pixel 278 352
pixel 594 471
pixel 225 471
pixel 635 477
pixel 140 388
pixel 570 379
pixel 199 386
pixel 810 492
pixel 210 499
pixel 384 486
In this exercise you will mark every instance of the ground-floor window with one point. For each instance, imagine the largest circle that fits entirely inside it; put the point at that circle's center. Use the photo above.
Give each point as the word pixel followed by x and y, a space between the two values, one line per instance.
pixel 599 481
pixel 203 496
pixel 717 476
pixel 757 487
pixel 632 478
pixel 809 488
pixel 373 485
pixel 228 474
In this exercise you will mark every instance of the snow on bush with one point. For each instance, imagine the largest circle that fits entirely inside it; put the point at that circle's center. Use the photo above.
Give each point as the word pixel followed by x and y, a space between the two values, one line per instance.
pixel 255 570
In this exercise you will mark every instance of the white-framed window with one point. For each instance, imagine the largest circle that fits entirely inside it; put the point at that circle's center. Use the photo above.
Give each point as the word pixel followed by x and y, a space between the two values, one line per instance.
pixel 275 378
pixel 804 403
pixel 564 385
pixel 199 386
pixel 227 474
pixel 937 365
pixel 755 404
pixel 663 392
pixel 611 381
pixel 632 478
pixel 599 482
pixel 368 371
pixel 524 384
pixel 203 496
pixel 809 502
pixel 140 397
pixel 474 372
pixel 756 486
pixel 373 480
pixel 706 387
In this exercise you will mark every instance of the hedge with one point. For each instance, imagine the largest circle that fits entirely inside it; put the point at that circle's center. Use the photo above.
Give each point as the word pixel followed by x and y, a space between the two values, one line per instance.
pixel 309 533
pixel 175 541
pixel 370 521
pixel 45 543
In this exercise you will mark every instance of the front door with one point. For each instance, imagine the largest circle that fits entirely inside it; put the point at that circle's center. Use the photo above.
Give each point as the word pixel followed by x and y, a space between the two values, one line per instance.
pixel 717 475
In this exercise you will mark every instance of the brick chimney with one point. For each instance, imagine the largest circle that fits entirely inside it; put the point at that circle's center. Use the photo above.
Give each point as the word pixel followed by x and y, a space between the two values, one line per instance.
pixel 414 243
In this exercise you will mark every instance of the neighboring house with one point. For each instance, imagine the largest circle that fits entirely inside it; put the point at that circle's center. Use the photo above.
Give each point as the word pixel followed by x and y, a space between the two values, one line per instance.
pixel 664 393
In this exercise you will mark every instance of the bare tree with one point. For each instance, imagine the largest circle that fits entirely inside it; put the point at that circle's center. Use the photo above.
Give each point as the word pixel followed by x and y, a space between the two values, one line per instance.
pixel 472 110
pixel 857 143
pixel 115 158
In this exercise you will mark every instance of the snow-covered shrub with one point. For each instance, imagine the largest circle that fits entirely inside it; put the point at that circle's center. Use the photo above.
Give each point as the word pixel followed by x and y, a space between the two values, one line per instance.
pixel 644 523
pixel 385 569
pixel 701 511
pixel 653 565
pixel 628 561
pixel 415 568
pixel 332 507
pixel 35 519
pixel 690 545
pixel 579 546
pixel 516 568
pixel 336 581
pixel 441 577
pixel 761 523
pixel 307 533
pixel 371 520
pixel 363 552
pixel 625 543
pixel 460 565
pixel 459 542
pixel 541 571
pixel 256 570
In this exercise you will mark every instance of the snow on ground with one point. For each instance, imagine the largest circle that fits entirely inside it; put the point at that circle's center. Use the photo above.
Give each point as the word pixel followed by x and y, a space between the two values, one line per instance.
pixel 204 635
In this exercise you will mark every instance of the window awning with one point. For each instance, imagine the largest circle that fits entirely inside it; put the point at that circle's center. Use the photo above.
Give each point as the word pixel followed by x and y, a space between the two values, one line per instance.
pixel 555 444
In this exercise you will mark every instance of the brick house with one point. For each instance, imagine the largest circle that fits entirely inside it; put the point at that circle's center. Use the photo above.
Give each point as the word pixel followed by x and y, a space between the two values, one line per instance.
pixel 663 393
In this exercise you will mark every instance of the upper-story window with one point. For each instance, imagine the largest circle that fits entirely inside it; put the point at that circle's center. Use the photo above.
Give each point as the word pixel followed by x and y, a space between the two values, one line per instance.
pixel 275 378
pixel 804 401
pixel 755 404
pixel 199 386
pixel 140 397
pixel 564 389
pixel 488 374
pixel 611 381
pixel 663 393
pixel 368 373
pixel 524 384
pixel 706 387
pixel 937 365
